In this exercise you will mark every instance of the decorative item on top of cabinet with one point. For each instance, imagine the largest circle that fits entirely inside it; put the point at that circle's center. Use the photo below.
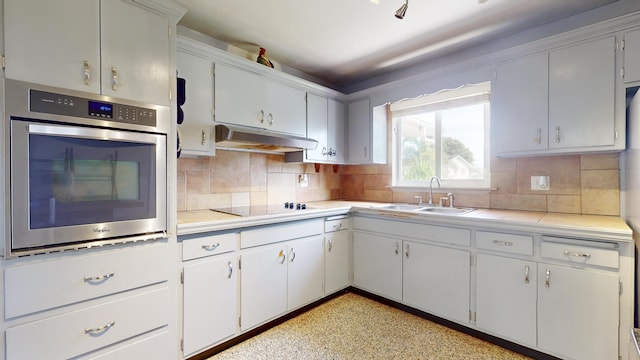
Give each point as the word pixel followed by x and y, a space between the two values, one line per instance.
pixel 121 43
pixel 366 133
pixel 263 59
pixel 575 111
pixel 197 128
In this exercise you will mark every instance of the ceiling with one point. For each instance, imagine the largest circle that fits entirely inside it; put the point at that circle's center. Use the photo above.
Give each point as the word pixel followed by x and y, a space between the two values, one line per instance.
pixel 343 42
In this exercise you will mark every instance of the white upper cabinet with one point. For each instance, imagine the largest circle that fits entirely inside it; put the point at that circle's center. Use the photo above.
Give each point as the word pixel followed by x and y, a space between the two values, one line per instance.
pixel 325 124
pixel 367 133
pixel 562 101
pixel 110 47
pixel 520 105
pixel 581 95
pixel 249 99
pixel 632 56
pixel 196 129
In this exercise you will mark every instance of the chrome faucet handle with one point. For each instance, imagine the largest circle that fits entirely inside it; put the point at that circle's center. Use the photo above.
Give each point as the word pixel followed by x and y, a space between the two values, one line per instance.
pixel 419 198
pixel 451 198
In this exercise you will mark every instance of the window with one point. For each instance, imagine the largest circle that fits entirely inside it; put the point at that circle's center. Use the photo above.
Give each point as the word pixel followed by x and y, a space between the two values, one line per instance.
pixel 445 135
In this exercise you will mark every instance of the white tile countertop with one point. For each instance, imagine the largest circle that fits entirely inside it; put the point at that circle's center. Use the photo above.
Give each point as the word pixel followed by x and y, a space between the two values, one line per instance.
pixel 605 227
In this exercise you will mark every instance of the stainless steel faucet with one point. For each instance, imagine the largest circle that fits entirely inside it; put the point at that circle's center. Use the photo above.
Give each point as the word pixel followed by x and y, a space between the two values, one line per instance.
pixel 451 198
pixel 431 188
pixel 419 198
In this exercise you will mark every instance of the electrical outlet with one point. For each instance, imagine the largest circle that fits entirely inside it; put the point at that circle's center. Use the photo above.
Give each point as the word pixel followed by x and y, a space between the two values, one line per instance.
pixel 303 180
pixel 540 182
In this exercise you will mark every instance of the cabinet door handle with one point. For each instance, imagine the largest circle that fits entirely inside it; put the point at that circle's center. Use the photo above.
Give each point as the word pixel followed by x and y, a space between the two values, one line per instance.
pixel 365 152
pixel 502 243
pixel 397 248
pixel 330 243
pixel 261 116
pixel 547 278
pixel 211 247
pixel 87 72
pixel 101 329
pixel 526 274
pixel 406 251
pixel 539 136
pixel 101 278
pixel 270 119
pixel 230 270
pixel 283 256
pixel 114 79
pixel 292 254
pixel 571 253
pixel 557 134
pixel 324 151
pixel 203 137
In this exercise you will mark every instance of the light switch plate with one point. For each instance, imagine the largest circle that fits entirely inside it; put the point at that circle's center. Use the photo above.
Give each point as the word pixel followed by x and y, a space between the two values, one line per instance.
pixel 540 182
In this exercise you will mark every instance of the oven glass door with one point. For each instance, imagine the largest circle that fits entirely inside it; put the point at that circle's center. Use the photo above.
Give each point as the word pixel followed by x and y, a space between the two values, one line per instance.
pixel 73 183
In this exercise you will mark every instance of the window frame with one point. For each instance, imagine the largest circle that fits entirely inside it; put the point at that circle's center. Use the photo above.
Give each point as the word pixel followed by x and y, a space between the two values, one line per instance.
pixel 437 102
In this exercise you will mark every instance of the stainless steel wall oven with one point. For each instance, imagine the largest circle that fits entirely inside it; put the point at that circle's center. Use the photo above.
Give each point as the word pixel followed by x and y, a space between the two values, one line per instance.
pixel 84 169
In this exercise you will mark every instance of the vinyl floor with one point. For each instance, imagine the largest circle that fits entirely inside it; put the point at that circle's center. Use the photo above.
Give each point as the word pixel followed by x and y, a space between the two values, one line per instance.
pixel 354 327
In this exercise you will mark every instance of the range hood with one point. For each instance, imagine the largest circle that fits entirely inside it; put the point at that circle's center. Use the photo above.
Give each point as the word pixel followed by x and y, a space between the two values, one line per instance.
pixel 234 137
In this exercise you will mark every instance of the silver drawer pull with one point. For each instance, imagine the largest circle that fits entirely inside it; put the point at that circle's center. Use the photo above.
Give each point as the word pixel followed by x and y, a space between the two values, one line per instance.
pixel 571 253
pixel 547 278
pixel 230 270
pixel 100 329
pixel 337 226
pixel 211 247
pixel 526 274
pixel 93 279
pixel 502 243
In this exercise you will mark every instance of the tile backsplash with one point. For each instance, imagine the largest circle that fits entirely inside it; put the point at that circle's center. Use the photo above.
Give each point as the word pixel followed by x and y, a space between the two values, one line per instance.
pixel 579 184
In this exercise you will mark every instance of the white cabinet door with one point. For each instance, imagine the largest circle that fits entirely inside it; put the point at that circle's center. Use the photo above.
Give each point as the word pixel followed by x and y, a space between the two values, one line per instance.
pixel 506 298
pixel 335 132
pixel 209 302
pixel 263 285
pixel 519 105
pixel 359 131
pixel 581 95
pixel 377 265
pixel 578 312
pixel 336 261
pixel 135 53
pixel 240 97
pixel 197 127
pixel 286 109
pixel 49 42
pixel 317 113
pixel 632 56
pixel 437 280
pixel 305 271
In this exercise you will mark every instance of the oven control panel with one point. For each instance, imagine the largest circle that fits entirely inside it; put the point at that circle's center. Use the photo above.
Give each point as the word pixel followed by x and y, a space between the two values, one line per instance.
pixel 67 105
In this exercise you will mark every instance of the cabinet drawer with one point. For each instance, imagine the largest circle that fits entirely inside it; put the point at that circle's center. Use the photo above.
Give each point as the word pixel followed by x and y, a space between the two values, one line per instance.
pixel 277 233
pixel 509 243
pixel 78 332
pixel 403 229
pixel 197 247
pixel 336 224
pixel 49 284
pixel 153 347
pixel 581 254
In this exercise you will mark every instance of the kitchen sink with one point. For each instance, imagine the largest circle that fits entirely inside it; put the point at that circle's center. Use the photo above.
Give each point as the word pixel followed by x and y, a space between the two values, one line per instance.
pixel 405 207
pixel 446 210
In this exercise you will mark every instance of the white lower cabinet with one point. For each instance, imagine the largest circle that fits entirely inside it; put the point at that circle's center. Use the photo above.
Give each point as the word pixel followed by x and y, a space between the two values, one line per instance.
pixel 506 297
pixel 578 312
pixel 377 264
pixel 281 275
pixel 209 290
pixel 436 279
pixel 336 255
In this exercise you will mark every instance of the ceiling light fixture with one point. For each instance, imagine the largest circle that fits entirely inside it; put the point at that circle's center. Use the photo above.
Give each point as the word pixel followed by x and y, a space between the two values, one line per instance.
pixel 402 10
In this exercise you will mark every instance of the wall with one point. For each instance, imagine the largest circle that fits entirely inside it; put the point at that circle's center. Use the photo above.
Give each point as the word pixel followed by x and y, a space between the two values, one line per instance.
pixel 233 178
pixel 580 184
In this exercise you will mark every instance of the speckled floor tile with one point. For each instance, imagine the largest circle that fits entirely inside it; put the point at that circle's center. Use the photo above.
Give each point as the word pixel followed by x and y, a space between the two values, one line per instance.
pixel 354 327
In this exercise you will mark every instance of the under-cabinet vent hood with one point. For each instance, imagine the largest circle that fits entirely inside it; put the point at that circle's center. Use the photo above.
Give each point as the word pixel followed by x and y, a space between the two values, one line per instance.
pixel 259 140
